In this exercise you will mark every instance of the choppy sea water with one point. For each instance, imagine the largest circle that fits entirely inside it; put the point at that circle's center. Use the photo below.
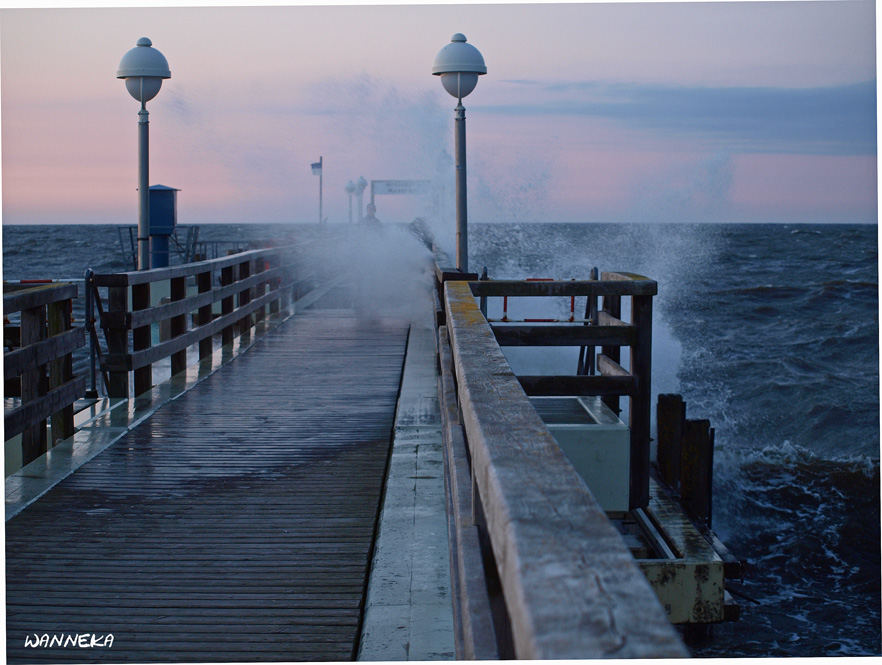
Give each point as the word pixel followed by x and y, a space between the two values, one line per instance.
pixel 770 331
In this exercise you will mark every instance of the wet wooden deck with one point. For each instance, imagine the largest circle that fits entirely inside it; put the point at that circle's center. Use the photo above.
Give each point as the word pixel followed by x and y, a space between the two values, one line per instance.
pixel 235 524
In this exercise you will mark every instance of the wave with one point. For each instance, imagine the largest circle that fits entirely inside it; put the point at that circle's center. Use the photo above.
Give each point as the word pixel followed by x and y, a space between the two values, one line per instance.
pixel 773 291
pixel 849 283
pixel 763 290
pixel 808 528
pixel 802 461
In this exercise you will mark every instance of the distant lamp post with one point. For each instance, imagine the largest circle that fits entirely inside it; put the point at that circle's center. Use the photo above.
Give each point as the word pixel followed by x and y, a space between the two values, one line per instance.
pixel 459 65
pixel 143 69
pixel 350 189
pixel 317 170
pixel 360 184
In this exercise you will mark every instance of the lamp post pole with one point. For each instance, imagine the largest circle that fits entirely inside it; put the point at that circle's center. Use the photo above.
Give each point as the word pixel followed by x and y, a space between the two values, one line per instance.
pixel 143 188
pixel 143 68
pixel 459 65
pixel 462 217
pixel 350 189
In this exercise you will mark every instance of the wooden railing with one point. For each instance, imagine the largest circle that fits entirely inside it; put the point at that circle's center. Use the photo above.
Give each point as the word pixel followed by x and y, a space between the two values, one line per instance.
pixel 538 570
pixel 39 371
pixel 608 331
pixel 245 288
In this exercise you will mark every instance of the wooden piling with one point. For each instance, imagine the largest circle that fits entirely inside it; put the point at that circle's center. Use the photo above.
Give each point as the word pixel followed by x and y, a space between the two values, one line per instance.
pixel 670 414
pixel 696 470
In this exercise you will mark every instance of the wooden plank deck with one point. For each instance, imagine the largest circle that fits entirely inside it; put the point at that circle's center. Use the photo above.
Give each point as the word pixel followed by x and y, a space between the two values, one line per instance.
pixel 235 524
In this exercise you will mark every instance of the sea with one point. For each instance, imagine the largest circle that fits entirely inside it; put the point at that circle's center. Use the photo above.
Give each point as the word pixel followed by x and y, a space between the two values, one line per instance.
pixel 770 331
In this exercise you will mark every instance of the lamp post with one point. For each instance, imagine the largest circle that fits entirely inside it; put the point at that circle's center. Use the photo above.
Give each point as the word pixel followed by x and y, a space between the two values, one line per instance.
pixel 350 189
pixel 459 65
pixel 317 170
pixel 143 69
pixel 360 184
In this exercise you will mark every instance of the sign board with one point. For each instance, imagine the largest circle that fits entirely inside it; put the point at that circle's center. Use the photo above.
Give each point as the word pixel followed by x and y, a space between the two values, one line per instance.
pixel 400 187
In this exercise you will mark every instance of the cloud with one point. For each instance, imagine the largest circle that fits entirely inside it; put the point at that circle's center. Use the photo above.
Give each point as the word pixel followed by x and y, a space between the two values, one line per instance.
pixel 834 120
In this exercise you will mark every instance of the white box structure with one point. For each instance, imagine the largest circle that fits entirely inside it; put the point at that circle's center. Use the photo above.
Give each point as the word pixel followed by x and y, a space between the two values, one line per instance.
pixel 596 442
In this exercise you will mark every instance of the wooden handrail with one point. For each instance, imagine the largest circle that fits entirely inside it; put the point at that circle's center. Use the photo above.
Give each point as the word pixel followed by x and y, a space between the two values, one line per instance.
pixel 15 363
pixel 608 331
pixel 557 386
pixel 564 335
pixel 129 320
pixel 249 288
pixel 42 368
pixel 135 360
pixel 610 284
pixel 184 270
pixel 570 584
pixel 37 296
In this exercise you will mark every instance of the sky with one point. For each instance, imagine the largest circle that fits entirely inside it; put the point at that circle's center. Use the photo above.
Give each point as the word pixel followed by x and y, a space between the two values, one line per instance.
pixel 589 112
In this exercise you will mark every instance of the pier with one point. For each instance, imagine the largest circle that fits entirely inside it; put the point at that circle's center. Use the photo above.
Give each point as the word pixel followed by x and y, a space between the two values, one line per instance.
pixel 322 480
pixel 234 523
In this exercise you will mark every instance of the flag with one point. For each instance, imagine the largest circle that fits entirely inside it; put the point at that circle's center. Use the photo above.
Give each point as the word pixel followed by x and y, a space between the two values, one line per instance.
pixel 317 168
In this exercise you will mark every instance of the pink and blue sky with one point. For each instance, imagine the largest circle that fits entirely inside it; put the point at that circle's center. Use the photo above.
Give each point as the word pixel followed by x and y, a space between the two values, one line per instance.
pixel 734 112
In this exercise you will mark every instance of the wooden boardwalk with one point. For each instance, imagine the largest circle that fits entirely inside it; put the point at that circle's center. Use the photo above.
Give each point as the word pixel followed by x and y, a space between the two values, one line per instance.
pixel 235 524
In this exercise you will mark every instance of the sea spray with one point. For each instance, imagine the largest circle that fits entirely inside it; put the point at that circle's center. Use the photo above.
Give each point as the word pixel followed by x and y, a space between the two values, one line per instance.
pixel 673 255
pixel 384 268
pixel 381 131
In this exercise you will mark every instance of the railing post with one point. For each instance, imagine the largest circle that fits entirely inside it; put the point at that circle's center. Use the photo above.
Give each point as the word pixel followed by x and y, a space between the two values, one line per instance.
pixel 612 305
pixel 178 324
pixel 586 353
pixel 33 330
pixel 484 277
pixel 60 370
pixel 92 338
pixel 203 284
pixel 118 342
pixel 245 298
pixel 286 295
pixel 259 290
pixel 641 401
pixel 227 278
pixel 274 284
pixel 141 338
pixel 238 287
